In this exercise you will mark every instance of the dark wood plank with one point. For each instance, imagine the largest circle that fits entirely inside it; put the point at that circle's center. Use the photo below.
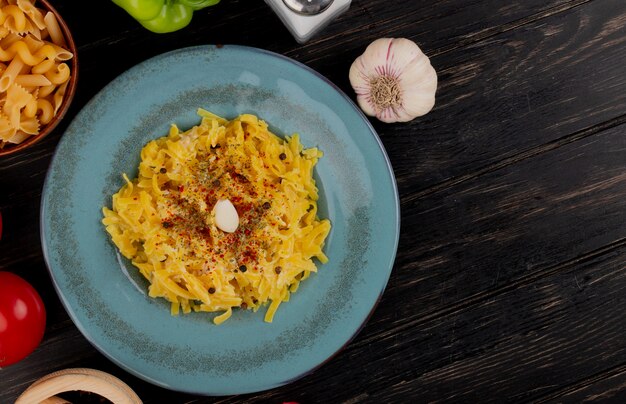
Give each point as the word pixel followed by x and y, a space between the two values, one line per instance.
pixel 534 338
pixel 602 388
pixel 513 348
pixel 512 92
pixel 439 29
pixel 508 225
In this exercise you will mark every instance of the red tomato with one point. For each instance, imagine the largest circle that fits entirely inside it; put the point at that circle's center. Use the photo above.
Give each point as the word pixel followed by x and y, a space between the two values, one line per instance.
pixel 22 319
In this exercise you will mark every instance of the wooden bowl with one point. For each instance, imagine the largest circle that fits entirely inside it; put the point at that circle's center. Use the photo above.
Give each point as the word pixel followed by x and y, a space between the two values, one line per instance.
pixel 78 379
pixel 69 92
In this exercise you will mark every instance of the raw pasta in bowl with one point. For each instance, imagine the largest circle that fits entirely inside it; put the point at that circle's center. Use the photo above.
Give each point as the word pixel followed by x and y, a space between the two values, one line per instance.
pixel 38 72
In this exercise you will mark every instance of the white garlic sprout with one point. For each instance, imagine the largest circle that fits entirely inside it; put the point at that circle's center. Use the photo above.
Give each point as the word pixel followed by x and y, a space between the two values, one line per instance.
pixel 394 80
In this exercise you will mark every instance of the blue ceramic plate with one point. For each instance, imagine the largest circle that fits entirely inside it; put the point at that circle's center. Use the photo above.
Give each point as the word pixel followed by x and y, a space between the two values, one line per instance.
pixel 106 298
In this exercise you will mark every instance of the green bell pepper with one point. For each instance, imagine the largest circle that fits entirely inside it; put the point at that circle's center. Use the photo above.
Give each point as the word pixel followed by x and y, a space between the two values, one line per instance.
pixel 163 16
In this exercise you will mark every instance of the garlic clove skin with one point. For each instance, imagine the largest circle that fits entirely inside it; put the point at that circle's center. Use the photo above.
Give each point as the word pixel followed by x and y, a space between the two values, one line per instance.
pixel 360 84
pixel 226 216
pixel 423 81
pixel 394 80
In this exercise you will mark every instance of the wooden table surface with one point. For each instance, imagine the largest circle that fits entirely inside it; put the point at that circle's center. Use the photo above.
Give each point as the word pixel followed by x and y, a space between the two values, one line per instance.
pixel 510 278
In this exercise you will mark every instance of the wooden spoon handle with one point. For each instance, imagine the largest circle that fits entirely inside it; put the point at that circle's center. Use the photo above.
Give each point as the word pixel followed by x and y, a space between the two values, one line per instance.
pixel 91 380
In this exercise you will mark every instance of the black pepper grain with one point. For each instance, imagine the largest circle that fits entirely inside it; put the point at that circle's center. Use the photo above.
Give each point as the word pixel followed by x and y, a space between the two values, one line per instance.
pixel 278 270
pixel 216 183
pixel 243 268
pixel 242 178
pixel 167 224
pixel 267 205
pixel 211 290
pixel 282 156
pixel 163 170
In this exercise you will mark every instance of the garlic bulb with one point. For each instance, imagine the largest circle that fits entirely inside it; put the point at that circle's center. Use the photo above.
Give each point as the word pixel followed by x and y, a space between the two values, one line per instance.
pixel 394 80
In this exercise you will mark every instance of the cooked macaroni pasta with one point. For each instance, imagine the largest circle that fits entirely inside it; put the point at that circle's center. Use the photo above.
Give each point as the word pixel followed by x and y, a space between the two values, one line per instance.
pixel 164 220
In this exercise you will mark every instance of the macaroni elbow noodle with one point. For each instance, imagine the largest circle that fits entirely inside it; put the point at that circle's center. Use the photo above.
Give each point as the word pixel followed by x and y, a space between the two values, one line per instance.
pixel 164 220
pixel 60 75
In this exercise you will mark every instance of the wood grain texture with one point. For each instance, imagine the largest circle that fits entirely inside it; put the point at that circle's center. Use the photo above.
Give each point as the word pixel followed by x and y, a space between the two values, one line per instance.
pixel 505 226
pixel 509 280
pixel 516 347
pixel 603 388
pixel 509 93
